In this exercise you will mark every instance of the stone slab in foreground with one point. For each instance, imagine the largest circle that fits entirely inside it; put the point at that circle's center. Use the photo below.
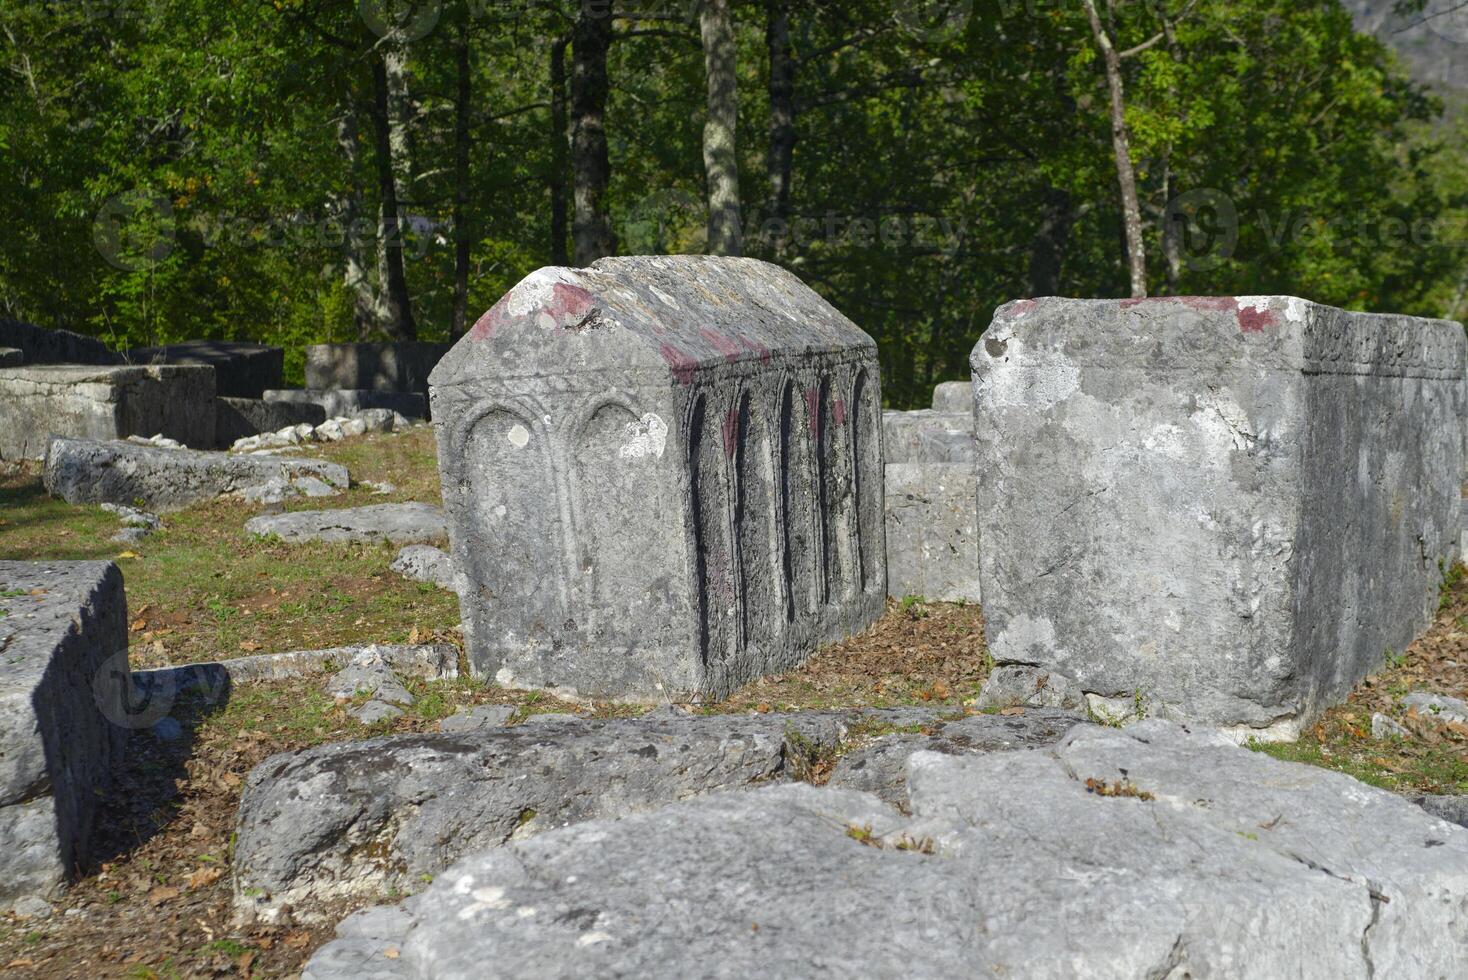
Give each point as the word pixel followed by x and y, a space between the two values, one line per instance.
pixel 82 471
pixel 932 531
pixel 63 678
pixel 37 402
pixel 1220 509
pixel 410 523
pixel 663 477
pixel 1146 853
pixel 356 819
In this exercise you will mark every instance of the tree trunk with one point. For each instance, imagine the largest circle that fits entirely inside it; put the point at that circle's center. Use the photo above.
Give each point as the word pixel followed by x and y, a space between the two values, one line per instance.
pixel 459 321
pixel 348 209
pixel 397 309
pixel 1131 212
pixel 558 229
pixel 782 106
pixel 590 160
pixel 1047 248
pixel 720 159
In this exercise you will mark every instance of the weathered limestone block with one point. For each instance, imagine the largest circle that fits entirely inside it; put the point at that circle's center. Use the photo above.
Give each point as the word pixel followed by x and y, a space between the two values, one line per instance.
pixel 103 403
pixel 63 687
pixel 241 370
pixel 954 398
pixel 339 403
pixel 41 346
pixel 663 477
pixel 82 471
pixel 361 818
pixel 239 418
pixel 1195 860
pixel 932 531
pixel 1216 509
pixel 925 436
pixel 11 357
pixel 410 523
pixel 393 367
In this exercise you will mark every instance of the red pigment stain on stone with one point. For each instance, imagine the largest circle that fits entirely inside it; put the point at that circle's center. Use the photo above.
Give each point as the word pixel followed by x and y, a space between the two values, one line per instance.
pixel 722 344
pixel 1254 320
pixel 1213 304
pixel 683 366
pixel 755 347
pixel 1023 305
pixel 731 432
pixel 486 325
pixel 569 301
pixel 813 411
pixel 838 411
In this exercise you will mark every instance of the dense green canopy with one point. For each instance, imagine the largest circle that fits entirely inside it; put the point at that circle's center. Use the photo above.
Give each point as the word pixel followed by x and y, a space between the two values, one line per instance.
pixel 178 168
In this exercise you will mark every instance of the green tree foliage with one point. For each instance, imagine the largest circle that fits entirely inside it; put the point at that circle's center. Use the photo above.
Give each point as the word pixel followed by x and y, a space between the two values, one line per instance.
pixel 177 168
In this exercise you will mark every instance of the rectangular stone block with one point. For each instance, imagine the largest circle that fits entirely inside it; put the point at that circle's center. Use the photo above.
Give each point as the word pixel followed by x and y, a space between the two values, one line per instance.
pixel 954 398
pixel 339 403
pixel 1224 510
pixel 63 715
pixel 925 436
pixel 932 532
pixel 11 357
pixel 663 477
pixel 241 370
pixel 40 346
pixel 236 418
pixel 38 402
pixel 373 367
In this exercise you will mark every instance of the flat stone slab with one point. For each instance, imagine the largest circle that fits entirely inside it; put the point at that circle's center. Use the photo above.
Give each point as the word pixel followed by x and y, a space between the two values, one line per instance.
pixel 1223 509
pixel 38 402
pixel 358 818
pixel 241 370
pixel 410 523
pixel 336 402
pixel 82 471
pixel 926 436
pixel 663 476
pixel 932 531
pixel 425 563
pixel 63 677
pixel 1147 853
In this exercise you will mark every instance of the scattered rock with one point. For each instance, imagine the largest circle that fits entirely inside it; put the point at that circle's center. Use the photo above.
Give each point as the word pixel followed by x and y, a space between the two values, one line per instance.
pixel 358 818
pixel 1453 809
pixel 161 441
pixel 1382 726
pixel 31 907
pixel 425 563
pixel 1437 706
pixel 410 523
pixel 136 524
pixel 473 719
pixel 1029 687
pixel 434 662
pixel 881 767
pixel 82 471
pixel 1145 853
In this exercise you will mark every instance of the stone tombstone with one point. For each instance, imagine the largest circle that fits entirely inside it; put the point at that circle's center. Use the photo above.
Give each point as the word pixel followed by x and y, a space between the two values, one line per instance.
pixel 403 366
pixel 241 370
pixel 64 716
pixel 663 477
pixel 74 401
pixel 932 532
pixel 1224 510
pixel 41 346
pixel 954 398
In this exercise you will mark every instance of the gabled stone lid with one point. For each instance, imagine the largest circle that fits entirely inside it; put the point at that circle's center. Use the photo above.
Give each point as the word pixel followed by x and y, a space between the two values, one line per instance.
pixel 683 312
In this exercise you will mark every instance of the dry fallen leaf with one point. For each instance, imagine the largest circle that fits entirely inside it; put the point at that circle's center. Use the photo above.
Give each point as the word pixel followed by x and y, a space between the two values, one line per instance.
pixel 1011 712
pixel 249 646
pixel 205 877
pixel 163 893
pixel 128 554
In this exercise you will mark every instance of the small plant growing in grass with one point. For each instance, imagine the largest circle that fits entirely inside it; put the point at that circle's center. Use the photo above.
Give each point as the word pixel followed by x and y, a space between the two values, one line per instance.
pixel 1118 789
pixel 863 834
pixel 1394 660
pixel 915 606
pixel 809 761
